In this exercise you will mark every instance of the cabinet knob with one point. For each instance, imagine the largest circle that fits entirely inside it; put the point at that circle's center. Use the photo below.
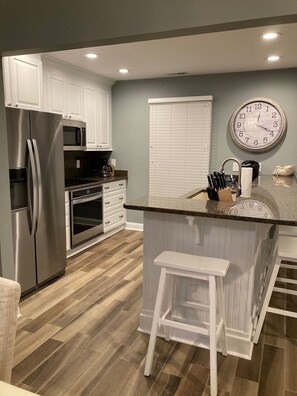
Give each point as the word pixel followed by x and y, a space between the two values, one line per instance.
pixel 69 116
pixel 121 184
pixel 16 105
pixel 8 104
pixel 106 187
pixel 107 222
pixel 121 216
pixel 121 198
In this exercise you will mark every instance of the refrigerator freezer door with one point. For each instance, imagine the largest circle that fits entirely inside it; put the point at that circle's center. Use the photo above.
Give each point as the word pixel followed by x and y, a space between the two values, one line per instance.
pixel 50 237
pixel 18 128
pixel 24 254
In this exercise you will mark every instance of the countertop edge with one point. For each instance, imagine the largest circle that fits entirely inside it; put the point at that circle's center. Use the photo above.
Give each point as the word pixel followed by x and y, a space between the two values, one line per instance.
pixel 101 180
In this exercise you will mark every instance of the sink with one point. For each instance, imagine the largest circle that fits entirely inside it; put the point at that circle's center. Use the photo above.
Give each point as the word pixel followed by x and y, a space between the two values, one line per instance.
pixel 200 196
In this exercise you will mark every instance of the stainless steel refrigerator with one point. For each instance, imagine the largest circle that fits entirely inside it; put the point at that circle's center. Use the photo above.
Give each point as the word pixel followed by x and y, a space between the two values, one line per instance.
pixel 36 162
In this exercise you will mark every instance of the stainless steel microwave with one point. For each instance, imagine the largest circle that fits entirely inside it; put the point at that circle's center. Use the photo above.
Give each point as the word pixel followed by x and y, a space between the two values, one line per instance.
pixel 74 135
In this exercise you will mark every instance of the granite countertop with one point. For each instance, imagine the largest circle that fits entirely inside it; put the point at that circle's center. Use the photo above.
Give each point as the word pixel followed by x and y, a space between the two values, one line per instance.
pixel 273 201
pixel 73 184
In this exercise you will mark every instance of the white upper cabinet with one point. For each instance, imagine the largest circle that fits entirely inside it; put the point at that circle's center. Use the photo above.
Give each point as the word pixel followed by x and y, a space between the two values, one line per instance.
pixel 79 96
pixel 63 95
pixel 91 104
pixel 97 117
pixel 105 120
pixel 23 81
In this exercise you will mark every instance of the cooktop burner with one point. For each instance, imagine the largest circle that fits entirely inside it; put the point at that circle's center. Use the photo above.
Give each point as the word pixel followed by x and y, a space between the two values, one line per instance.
pixel 77 181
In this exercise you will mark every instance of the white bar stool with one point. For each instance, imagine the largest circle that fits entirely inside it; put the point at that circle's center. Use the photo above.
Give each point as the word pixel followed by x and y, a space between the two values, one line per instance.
pixel 287 251
pixel 209 269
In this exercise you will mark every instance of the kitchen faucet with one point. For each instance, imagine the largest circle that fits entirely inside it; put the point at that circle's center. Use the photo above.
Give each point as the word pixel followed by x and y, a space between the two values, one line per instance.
pixel 238 190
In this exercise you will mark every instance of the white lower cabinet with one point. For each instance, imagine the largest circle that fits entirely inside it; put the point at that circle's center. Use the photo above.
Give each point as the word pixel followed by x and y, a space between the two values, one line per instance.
pixel 114 214
pixel 67 220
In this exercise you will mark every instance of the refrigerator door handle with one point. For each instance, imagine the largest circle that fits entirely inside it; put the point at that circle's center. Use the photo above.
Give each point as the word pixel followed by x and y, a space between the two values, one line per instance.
pixel 39 184
pixel 33 207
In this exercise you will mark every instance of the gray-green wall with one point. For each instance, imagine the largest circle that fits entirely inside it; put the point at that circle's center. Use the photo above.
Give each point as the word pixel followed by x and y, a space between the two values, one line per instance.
pixel 131 119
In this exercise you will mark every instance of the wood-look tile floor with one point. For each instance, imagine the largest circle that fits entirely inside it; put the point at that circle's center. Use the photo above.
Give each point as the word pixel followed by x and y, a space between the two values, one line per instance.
pixel 78 336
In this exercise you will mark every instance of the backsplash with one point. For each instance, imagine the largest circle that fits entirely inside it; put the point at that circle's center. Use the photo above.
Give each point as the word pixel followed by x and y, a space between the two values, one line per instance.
pixel 89 163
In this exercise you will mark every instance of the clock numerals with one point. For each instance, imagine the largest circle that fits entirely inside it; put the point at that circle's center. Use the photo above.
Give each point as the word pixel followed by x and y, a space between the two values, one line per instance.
pixel 258 125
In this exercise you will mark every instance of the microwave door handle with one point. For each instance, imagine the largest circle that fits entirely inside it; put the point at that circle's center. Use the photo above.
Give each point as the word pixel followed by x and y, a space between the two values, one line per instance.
pixel 32 203
pixel 81 137
pixel 39 184
pixel 78 136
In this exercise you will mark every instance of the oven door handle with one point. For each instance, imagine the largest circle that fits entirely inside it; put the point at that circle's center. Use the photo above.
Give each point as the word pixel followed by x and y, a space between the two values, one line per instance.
pixel 82 200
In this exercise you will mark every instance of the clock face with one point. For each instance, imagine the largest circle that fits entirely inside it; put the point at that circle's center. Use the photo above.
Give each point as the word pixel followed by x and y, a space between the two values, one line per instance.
pixel 252 208
pixel 258 125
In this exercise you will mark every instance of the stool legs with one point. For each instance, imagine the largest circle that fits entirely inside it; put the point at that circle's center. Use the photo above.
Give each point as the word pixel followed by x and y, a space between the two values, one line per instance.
pixel 170 288
pixel 212 336
pixel 157 311
pixel 222 314
pixel 216 298
pixel 266 300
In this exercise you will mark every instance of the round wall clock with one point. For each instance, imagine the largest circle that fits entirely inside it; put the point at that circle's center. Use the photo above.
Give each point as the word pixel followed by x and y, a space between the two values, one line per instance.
pixel 258 125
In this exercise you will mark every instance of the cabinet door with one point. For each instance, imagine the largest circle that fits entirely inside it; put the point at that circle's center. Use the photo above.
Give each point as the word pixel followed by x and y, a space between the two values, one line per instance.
pixel 74 100
pixel 56 87
pixel 91 105
pixel 26 82
pixel 104 127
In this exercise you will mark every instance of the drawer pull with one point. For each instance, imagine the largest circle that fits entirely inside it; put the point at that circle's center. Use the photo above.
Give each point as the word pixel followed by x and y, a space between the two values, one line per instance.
pixel 107 222
pixel 121 184
pixel 121 216
pixel 121 198
pixel 107 203
pixel 106 187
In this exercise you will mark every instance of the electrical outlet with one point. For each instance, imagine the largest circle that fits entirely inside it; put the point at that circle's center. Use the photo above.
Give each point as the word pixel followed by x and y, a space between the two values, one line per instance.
pixel 235 166
pixel 113 162
pixel 78 163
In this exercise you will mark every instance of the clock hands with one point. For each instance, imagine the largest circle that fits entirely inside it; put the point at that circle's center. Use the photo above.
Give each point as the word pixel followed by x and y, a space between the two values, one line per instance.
pixel 267 129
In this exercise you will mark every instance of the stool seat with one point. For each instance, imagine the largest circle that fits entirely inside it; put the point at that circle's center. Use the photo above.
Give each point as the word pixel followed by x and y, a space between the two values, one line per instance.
pixel 207 269
pixel 287 230
pixel 189 262
pixel 287 247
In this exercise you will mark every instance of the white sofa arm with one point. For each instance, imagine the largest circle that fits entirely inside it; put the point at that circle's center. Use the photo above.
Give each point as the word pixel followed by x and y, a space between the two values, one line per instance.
pixel 10 292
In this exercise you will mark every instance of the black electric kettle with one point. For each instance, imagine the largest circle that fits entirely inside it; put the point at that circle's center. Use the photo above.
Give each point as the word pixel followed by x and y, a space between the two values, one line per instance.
pixel 252 164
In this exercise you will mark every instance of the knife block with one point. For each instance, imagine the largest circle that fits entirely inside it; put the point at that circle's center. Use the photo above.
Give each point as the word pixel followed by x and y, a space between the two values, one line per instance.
pixel 225 195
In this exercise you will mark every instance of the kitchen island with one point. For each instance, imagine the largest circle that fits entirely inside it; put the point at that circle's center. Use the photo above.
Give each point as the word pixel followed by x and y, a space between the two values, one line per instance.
pixel 244 231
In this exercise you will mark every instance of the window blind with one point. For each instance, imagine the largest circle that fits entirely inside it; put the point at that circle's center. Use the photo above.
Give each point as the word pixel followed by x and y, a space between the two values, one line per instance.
pixel 179 144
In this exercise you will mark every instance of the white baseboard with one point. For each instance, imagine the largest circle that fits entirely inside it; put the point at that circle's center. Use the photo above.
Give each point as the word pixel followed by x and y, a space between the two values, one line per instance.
pixel 134 226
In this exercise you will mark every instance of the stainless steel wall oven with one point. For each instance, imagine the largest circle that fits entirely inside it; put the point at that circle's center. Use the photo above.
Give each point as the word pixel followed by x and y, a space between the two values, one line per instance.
pixel 86 214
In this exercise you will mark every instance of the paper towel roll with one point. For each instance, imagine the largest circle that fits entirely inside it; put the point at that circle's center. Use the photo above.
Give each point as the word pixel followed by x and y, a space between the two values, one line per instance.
pixel 246 182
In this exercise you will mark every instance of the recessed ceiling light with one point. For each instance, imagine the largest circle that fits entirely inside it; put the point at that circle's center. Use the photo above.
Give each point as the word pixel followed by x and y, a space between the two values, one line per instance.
pixel 92 56
pixel 273 58
pixel 270 36
pixel 123 71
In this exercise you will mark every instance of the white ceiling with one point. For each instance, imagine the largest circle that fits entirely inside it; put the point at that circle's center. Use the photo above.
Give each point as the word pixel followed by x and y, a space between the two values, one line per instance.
pixel 223 52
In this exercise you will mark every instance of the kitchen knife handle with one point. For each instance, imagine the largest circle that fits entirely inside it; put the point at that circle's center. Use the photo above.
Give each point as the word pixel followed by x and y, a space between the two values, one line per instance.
pixel 209 181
